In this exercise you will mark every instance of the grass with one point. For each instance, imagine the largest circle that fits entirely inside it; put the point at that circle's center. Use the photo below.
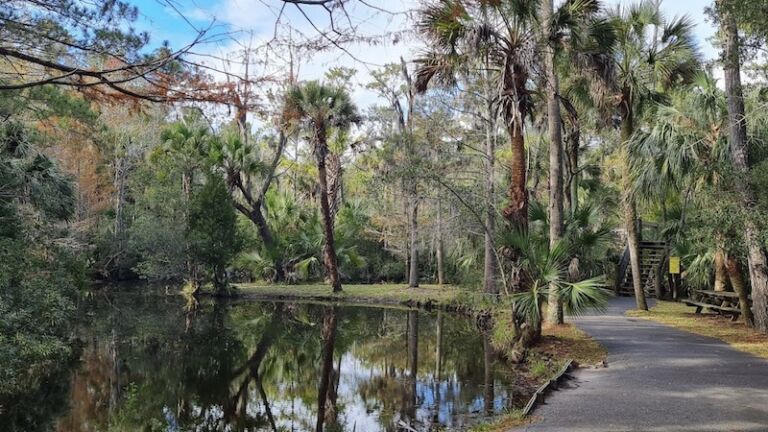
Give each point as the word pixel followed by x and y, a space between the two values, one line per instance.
pixel 371 293
pixel 735 334
pixel 502 423
pixel 569 342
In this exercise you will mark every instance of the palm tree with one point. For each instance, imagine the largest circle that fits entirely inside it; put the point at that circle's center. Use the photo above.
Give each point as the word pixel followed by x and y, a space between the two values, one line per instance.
pixel 188 144
pixel 644 68
pixel 545 267
pixel 684 153
pixel 586 45
pixel 470 34
pixel 242 163
pixel 729 14
pixel 319 108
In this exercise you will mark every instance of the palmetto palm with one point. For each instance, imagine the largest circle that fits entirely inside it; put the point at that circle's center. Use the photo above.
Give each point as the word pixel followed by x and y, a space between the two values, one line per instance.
pixel 318 108
pixel 686 152
pixel 544 267
pixel 651 55
pixel 473 34
pixel 189 145
pixel 686 141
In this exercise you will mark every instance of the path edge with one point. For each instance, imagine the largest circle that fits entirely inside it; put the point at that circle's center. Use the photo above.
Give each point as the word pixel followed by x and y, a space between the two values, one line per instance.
pixel 538 397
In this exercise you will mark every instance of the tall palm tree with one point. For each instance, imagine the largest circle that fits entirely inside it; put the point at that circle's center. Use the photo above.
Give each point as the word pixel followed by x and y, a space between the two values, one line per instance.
pixel 319 108
pixel 729 14
pixel 645 66
pixel 586 44
pixel 684 152
pixel 469 34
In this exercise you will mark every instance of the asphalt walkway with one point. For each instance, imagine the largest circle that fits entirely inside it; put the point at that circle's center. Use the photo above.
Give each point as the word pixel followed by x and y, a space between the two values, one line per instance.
pixel 658 379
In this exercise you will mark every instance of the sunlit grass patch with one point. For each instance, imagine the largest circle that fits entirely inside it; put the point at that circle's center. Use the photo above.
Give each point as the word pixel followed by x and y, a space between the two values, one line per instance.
pixel 373 292
pixel 570 342
pixel 735 334
pixel 503 423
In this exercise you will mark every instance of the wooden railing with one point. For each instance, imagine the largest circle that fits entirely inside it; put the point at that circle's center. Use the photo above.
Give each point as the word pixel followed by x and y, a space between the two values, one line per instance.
pixel 622 271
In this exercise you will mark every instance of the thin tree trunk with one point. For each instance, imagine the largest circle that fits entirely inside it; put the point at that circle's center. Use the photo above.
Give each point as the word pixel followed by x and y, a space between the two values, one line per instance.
pixel 413 223
pixel 329 251
pixel 572 143
pixel 630 211
pixel 737 138
pixel 121 172
pixel 737 282
pixel 554 309
pixel 413 360
pixel 407 230
pixel 329 340
pixel 488 393
pixel 439 346
pixel 439 252
pixel 489 249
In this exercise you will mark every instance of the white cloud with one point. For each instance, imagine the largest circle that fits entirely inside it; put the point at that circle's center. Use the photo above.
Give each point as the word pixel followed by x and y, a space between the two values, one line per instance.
pixel 254 23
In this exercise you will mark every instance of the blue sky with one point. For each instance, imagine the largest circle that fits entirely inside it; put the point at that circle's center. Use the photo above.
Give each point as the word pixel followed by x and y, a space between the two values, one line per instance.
pixel 257 18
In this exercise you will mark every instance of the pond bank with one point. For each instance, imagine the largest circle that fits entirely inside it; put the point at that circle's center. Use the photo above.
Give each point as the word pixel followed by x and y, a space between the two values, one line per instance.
pixel 428 296
pixel 559 344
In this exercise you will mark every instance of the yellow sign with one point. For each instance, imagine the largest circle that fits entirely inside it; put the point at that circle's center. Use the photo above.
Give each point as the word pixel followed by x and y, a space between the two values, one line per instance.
pixel 674 265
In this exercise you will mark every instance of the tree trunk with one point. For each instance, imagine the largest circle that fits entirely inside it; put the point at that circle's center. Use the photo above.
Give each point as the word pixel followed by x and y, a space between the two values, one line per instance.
pixel 413 223
pixel 439 346
pixel 335 183
pixel 554 309
pixel 329 251
pixel 737 139
pixel 413 361
pixel 737 282
pixel 257 217
pixel 516 212
pixel 489 257
pixel 488 393
pixel 630 211
pixel 572 143
pixel 329 340
pixel 720 271
pixel 439 252
pixel 253 208
pixel 121 173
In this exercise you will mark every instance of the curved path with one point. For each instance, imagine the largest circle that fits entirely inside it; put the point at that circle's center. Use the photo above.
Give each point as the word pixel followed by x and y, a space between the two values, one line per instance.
pixel 658 379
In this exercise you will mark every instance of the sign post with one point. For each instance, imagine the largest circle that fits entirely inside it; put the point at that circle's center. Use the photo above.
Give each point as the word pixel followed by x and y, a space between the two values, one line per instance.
pixel 674 271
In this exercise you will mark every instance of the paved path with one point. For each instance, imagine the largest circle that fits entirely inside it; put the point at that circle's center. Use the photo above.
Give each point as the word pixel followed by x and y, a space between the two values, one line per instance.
pixel 658 379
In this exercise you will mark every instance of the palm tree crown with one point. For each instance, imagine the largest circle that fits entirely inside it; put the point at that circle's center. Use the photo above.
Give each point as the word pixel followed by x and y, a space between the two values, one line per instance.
pixel 319 106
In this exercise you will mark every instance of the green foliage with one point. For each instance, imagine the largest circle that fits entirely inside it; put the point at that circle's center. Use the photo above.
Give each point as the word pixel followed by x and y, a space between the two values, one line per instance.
pixel 544 268
pixel 37 270
pixel 212 230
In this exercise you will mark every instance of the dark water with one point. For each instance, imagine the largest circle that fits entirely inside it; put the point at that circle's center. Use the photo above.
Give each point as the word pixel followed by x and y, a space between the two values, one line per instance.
pixel 147 364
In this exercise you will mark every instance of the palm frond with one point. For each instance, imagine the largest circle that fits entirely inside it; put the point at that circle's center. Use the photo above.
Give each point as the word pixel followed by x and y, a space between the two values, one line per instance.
pixel 589 294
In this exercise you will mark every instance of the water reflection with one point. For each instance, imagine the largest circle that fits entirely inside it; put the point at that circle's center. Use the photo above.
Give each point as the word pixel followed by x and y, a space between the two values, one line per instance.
pixel 150 365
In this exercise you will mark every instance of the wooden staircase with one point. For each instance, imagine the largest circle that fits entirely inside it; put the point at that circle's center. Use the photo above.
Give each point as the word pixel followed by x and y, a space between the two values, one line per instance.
pixel 653 256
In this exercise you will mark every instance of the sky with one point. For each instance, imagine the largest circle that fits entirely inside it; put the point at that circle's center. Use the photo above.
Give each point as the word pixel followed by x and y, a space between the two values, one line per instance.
pixel 239 22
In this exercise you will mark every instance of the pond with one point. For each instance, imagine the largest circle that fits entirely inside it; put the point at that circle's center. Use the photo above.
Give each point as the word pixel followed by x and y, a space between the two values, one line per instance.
pixel 150 363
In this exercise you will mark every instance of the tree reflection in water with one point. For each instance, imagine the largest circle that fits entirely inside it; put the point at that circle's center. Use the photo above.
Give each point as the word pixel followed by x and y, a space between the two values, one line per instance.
pixel 152 365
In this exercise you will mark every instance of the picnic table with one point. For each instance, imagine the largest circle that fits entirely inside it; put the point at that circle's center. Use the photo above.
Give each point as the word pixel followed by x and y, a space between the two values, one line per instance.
pixel 721 302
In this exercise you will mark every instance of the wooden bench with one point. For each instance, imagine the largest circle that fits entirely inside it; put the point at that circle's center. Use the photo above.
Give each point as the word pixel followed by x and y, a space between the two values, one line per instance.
pixel 716 301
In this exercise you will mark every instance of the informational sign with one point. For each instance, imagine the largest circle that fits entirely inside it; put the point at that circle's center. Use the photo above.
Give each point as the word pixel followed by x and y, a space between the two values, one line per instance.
pixel 674 265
